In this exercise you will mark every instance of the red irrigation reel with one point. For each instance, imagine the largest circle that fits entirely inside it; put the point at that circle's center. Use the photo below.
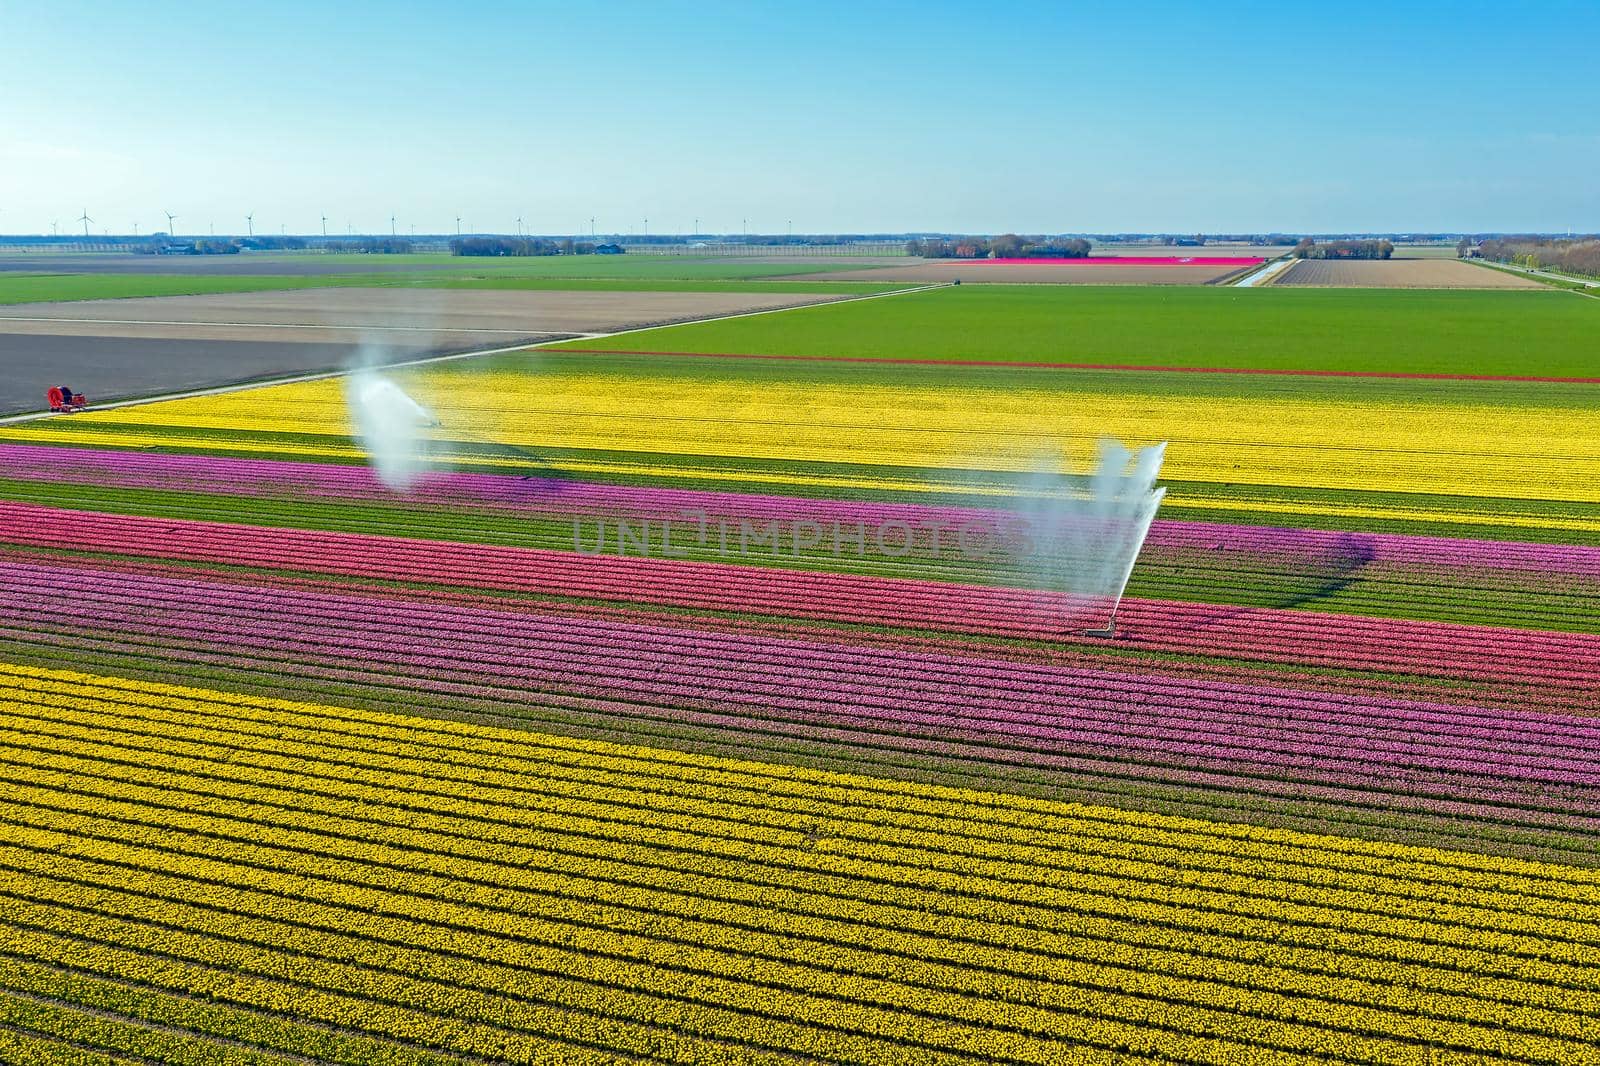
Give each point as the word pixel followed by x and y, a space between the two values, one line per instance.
pixel 63 399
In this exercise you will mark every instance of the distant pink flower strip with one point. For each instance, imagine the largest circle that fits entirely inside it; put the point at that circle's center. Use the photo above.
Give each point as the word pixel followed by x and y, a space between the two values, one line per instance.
pixel 1127 260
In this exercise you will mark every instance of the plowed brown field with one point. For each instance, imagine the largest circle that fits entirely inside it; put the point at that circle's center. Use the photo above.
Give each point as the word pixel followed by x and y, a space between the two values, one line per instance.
pixel 1399 274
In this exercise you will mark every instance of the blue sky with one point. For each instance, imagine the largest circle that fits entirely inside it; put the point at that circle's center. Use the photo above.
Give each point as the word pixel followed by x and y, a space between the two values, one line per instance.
pixel 1041 117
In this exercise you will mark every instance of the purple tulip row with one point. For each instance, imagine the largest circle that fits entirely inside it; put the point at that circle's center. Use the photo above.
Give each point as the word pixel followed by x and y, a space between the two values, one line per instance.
pixel 1068 714
pixel 1565 661
pixel 226 476
pixel 955 678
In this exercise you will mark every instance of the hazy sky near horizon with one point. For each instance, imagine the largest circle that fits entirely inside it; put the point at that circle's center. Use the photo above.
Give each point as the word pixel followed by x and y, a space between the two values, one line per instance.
pixel 842 117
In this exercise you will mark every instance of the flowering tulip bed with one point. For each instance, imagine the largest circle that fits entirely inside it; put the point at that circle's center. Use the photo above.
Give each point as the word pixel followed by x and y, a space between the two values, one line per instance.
pixel 294 768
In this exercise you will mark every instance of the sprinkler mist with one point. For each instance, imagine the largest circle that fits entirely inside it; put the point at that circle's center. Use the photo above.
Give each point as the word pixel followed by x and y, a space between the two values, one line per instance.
pixel 1085 537
pixel 391 427
pixel 390 424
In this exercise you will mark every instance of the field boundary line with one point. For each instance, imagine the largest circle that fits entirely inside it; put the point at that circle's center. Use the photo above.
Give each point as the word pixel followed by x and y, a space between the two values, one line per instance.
pixel 320 375
pixel 1266 275
pixel 1567 282
pixel 1040 365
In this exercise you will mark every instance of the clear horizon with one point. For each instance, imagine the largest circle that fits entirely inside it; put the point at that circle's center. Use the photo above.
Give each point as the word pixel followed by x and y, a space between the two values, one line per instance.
pixel 1161 117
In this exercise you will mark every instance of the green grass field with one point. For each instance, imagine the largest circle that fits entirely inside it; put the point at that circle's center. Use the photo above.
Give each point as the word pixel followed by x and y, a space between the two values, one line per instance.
pixel 1358 330
pixel 44 288
pixel 587 266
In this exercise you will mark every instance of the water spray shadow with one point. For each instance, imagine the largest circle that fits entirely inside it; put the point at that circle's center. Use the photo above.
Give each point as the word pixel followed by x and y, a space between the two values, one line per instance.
pixel 1343 566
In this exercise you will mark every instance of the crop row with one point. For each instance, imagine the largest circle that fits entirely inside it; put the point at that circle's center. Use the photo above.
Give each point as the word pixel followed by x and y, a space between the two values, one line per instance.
pixel 738 810
pixel 785 794
pixel 1049 709
pixel 1224 663
pixel 1307 806
pixel 937 678
pixel 133 1018
pixel 320 481
pixel 1333 581
pixel 287 828
pixel 1467 691
pixel 1209 563
pixel 1110 726
pixel 1277 440
pixel 868 734
pixel 1430 649
pixel 1227 546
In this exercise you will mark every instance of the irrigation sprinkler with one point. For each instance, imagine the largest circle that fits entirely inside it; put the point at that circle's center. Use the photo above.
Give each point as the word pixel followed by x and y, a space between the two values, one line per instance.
pixel 1126 505
pixel 1084 538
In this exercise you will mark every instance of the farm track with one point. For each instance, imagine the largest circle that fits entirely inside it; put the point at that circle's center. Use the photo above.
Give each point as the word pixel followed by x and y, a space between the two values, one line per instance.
pixel 798 882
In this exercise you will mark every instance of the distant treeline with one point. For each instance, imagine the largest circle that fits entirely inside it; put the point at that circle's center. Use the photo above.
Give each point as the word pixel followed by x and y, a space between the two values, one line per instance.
pixel 1196 240
pixel 1579 255
pixel 1005 246
pixel 161 244
pixel 273 244
pixel 201 246
pixel 370 246
pixel 1372 249
pixel 520 246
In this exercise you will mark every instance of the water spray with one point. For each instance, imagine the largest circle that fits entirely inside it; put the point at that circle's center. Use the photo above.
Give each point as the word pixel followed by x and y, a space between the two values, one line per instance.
pixel 389 424
pixel 1086 539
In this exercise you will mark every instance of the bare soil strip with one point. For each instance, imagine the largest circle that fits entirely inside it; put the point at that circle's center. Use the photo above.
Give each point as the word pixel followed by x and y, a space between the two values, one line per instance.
pixel 1398 274
pixel 515 311
pixel 138 347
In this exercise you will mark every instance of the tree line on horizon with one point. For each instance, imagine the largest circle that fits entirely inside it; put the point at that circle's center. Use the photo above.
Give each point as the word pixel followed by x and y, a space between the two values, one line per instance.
pixel 519 246
pixel 1005 246
pixel 1368 249
pixel 1575 255
pixel 161 244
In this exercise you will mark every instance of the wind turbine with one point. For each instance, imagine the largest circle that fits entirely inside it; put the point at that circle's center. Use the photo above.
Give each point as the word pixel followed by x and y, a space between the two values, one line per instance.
pixel 458 225
pixel 324 225
pixel 519 225
pixel 250 224
pixel 391 225
pixel 53 231
pixel 85 219
pixel 170 217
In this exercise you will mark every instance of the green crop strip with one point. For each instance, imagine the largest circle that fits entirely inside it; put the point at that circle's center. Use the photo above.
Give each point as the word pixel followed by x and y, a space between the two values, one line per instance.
pixel 1359 330
pixel 55 288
